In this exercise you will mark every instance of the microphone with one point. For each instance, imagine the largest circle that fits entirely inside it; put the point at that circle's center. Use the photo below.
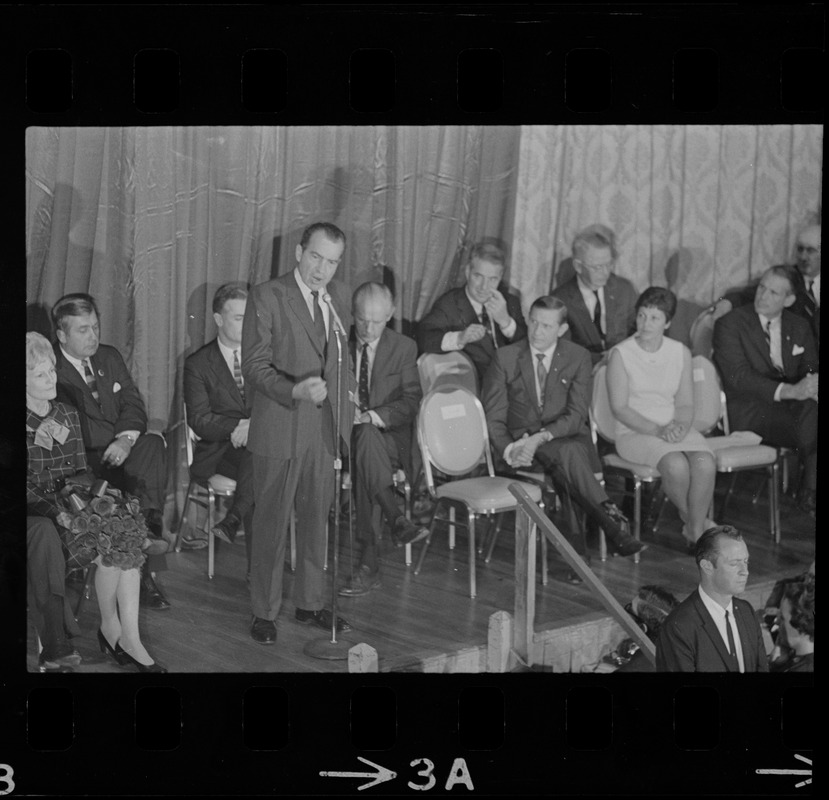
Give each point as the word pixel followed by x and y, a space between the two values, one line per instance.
pixel 327 299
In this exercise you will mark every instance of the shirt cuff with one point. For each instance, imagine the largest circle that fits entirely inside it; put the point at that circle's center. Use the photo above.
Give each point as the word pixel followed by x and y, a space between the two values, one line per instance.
pixel 375 418
pixel 777 392
pixel 509 330
pixel 450 341
pixel 508 452
pixel 133 435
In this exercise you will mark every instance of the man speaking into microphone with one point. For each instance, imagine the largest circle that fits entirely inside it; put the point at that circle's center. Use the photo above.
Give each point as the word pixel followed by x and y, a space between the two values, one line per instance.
pixel 290 363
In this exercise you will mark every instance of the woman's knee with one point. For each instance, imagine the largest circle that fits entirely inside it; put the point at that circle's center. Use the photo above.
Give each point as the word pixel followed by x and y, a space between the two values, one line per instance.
pixel 702 463
pixel 673 466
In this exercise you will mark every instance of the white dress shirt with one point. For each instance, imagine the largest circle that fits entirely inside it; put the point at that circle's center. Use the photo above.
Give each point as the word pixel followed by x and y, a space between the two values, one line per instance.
pixel 717 612
pixel 227 354
pixel 590 302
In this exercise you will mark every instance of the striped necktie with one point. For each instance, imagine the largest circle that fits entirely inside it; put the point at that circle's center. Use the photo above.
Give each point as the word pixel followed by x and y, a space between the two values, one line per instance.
pixel 541 373
pixel 237 374
pixel 89 377
pixel 597 317
pixel 732 647
pixel 774 361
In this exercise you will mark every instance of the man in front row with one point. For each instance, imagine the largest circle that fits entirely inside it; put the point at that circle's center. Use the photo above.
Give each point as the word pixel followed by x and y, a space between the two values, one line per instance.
pixel 218 410
pixel 536 400
pixel 388 395
pixel 769 365
pixel 477 317
pixel 289 361
pixel 94 379
pixel 712 630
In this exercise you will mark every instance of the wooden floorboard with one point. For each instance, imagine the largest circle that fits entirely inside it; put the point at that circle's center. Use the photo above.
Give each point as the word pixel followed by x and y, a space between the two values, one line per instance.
pixel 412 617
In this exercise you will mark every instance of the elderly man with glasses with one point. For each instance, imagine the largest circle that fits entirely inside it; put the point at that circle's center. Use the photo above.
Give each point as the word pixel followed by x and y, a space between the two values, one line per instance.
pixel 600 304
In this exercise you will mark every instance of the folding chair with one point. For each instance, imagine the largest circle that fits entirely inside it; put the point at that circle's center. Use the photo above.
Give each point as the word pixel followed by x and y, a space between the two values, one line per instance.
pixel 453 438
pixel 438 369
pixel 731 455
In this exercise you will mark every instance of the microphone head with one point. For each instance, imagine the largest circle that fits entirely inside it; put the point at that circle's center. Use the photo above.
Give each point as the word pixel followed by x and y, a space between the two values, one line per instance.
pixel 326 298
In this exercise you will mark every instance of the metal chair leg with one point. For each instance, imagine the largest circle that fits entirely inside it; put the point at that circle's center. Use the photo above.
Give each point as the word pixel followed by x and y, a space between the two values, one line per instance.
pixel 774 502
pixel 472 586
pixel 637 513
pixel 211 544
pixel 181 522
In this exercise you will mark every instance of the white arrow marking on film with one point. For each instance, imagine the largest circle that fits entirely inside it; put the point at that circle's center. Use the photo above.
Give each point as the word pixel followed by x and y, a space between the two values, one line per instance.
pixel 381 776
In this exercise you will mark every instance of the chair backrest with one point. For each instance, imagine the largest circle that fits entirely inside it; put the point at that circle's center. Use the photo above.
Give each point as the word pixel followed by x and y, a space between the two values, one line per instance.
pixel 708 405
pixel 702 334
pixel 439 369
pixel 452 432
pixel 601 415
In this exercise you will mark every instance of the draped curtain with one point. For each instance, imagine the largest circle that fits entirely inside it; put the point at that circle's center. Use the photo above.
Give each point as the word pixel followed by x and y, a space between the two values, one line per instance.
pixel 715 204
pixel 152 220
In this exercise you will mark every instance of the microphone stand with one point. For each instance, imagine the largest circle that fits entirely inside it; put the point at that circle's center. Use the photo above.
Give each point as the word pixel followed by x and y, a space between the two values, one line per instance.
pixel 334 649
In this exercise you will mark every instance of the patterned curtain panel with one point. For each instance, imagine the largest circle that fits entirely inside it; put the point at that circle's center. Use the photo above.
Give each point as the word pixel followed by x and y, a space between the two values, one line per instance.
pixel 701 209
pixel 152 220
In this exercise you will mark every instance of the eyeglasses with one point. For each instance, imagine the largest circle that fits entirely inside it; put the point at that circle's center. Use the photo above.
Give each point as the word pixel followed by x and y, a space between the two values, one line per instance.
pixel 607 265
pixel 808 249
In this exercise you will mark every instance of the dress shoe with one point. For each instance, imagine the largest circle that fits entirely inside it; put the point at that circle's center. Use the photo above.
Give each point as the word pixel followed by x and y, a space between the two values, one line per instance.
pixel 573 578
pixel 128 659
pixel 322 619
pixel 116 652
pixel 263 631
pixel 62 661
pixel 193 543
pixel 628 546
pixel 151 596
pixel 155 547
pixel 405 532
pixel 363 582
pixel 226 529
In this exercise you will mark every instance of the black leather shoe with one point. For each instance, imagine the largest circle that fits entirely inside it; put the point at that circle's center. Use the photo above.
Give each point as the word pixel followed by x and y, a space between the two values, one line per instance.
pixel 573 578
pixel 405 532
pixel 629 546
pixel 363 582
pixel 322 619
pixel 128 659
pixel 107 649
pixel 227 528
pixel 151 596
pixel 263 631
pixel 62 661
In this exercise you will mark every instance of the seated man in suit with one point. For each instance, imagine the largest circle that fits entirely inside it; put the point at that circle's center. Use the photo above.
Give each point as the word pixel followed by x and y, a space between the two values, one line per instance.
pixel 94 379
pixel 388 397
pixel 536 400
pixel 711 630
pixel 769 366
pixel 218 410
pixel 600 304
pixel 476 318
pixel 807 278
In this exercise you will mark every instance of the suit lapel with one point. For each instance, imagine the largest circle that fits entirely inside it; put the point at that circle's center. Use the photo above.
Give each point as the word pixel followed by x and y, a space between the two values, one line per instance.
pixel 712 632
pixel 576 305
pixel 299 307
pixel 223 374
pixel 68 372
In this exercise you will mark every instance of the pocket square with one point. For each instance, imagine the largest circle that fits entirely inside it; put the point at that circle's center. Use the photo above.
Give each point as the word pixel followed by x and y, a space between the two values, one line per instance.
pixel 797 350
pixel 116 387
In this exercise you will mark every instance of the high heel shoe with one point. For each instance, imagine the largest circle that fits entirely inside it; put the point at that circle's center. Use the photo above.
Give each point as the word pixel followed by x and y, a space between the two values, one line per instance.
pixel 154 667
pixel 107 649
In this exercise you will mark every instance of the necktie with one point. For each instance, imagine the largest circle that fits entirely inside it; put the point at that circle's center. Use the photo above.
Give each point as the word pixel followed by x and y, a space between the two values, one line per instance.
pixel 319 322
pixel 597 316
pixel 89 377
pixel 541 372
pixel 237 374
pixel 363 384
pixel 775 357
pixel 732 647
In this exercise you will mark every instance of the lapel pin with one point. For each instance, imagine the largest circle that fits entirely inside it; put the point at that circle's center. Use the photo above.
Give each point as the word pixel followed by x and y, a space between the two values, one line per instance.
pixel 100 373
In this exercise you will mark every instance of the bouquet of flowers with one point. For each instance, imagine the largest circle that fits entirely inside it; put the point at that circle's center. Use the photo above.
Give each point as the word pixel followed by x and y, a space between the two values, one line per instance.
pixel 104 523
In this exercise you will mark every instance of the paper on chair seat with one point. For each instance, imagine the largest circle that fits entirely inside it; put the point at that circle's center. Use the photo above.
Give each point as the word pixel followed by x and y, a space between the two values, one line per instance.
pixel 452 412
pixel 735 439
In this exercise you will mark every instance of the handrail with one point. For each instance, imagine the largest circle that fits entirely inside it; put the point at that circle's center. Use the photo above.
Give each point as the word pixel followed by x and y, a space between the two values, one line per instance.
pixel 529 516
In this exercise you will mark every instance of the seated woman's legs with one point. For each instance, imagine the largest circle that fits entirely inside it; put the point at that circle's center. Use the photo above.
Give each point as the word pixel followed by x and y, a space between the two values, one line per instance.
pixel 676 480
pixel 118 599
pixel 701 491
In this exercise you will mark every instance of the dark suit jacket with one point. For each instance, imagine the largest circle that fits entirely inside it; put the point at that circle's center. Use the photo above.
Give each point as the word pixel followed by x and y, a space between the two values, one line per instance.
pixel 690 642
pixel 620 299
pixel 741 354
pixel 394 390
pixel 214 406
pixel 510 401
pixel 454 312
pixel 279 350
pixel 121 407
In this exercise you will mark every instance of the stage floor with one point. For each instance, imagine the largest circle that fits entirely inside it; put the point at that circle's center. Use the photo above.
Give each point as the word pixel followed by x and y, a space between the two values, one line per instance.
pixel 415 617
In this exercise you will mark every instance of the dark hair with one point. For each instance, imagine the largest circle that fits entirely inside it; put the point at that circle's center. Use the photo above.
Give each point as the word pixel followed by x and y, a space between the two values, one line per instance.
pixel 371 289
pixel 488 251
pixel 801 596
pixel 328 228
pixel 596 235
pixel 73 305
pixel 229 291
pixel 660 298
pixel 551 304
pixel 708 544
pixel 786 272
